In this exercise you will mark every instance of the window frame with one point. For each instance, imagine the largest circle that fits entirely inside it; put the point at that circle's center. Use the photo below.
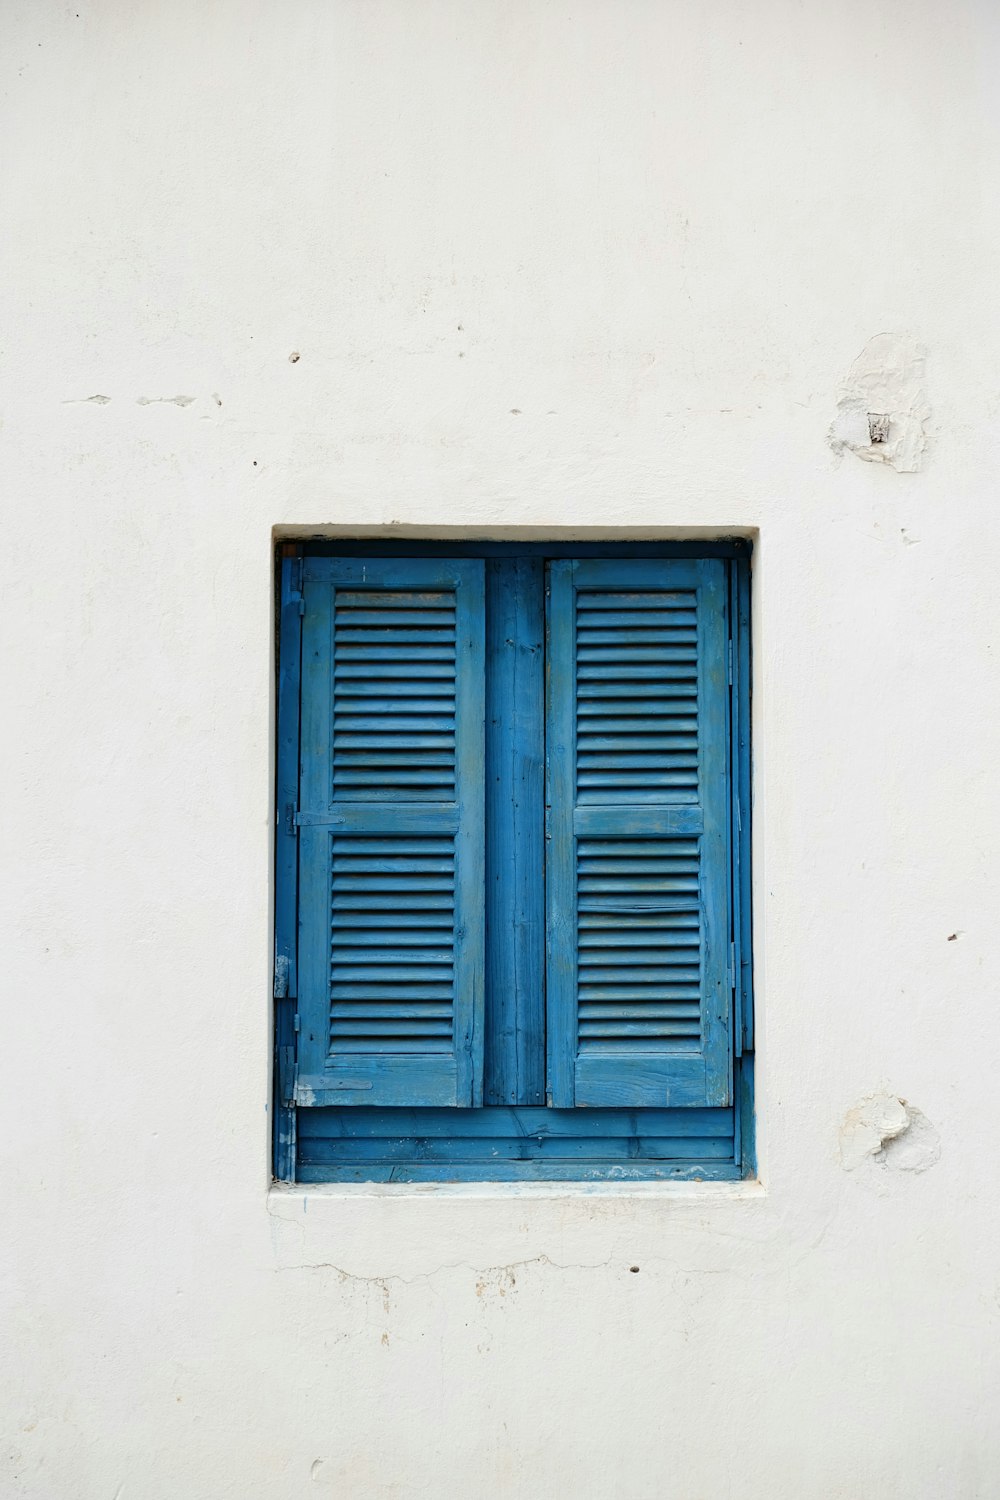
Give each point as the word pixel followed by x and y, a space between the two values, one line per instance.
pixel 528 1125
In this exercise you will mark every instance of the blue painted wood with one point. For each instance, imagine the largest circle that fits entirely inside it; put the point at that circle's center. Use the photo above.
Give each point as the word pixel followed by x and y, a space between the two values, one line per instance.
pixel 515 792
pixel 528 1125
pixel 510 1144
pixel 601 798
pixel 655 924
pixel 391 831
pixel 682 816
pixel 732 733
pixel 742 751
pixel 745 1141
pixel 400 818
pixel 526 1171
pixel 285 988
pixel 560 839
pixel 745 1123
pixel 428 1150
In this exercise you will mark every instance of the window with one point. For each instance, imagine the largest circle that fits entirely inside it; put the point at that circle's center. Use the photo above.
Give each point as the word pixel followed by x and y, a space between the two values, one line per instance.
pixel 512 921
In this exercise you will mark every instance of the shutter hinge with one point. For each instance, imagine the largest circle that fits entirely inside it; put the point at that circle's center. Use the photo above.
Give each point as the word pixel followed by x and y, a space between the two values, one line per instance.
pixel 296 578
pixel 281 977
pixel 296 1024
pixel 291 819
pixel 730 663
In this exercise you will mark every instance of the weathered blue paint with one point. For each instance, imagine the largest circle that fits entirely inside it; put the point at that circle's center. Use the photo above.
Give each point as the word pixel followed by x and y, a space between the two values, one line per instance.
pixel 746 1125
pixel 285 987
pixel 648 1022
pixel 733 707
pixel 515 854
pixel 746 1139
pixel 511 1144
pixel 662 802
pixel 528 1126
pixel 742 773
pixel 487 1169
pixel 391 941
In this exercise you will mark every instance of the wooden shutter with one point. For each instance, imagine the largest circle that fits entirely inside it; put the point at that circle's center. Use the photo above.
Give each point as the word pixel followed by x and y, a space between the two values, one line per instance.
pixel 391 941
pixel 638 985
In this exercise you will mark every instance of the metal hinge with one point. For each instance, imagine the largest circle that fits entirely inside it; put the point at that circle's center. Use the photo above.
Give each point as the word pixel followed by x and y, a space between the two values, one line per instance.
pixel 281 976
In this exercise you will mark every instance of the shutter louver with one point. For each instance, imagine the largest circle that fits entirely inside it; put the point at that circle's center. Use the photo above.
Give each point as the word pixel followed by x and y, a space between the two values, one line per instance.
pixel 391 887
pixel 639 997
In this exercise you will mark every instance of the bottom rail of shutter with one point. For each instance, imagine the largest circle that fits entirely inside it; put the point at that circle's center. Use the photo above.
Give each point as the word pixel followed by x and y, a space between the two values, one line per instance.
pixel 382 1080
pixel 638 1081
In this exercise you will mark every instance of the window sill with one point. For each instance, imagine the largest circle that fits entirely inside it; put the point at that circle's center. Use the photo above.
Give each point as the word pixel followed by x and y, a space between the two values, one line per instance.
pixel 286 1199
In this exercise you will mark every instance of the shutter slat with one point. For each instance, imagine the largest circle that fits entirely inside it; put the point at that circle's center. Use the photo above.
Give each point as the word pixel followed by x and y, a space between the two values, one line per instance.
pixel 391 912
pixel 639 1002
pixel 678 630
pixel 368 723
pixel 418 991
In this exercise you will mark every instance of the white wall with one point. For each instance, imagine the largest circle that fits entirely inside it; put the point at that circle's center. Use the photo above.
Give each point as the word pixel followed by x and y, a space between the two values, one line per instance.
pixel 579 265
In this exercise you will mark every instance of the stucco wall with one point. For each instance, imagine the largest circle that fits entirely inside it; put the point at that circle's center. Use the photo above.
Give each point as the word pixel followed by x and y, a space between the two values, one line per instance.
pixel 591 265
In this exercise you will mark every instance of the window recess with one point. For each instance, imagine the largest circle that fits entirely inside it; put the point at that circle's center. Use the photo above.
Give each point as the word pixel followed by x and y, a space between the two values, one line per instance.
pixel 512 916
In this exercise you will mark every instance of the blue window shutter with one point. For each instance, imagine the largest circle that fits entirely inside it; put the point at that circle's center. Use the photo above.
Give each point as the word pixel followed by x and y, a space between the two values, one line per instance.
pixel 639 998
pixel 391 942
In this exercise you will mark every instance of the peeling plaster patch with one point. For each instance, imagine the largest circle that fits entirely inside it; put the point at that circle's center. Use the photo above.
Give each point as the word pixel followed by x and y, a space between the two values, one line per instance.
pixel 868 1126
pixel 165 401
pixel 886 380
pixel 918 1148
pixel 87 401
pixel 886 1130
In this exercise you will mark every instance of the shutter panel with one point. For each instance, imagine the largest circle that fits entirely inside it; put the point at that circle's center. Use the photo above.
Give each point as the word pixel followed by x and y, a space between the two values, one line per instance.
pixel 639 998
pixel 391 905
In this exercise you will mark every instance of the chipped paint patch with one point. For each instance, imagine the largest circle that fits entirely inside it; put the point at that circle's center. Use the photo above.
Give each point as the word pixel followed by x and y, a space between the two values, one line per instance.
pixel 885 383
pixel 888 1131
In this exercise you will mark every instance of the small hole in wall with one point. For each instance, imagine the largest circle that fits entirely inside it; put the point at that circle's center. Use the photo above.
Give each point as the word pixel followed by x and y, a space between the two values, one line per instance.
pixel 634 1270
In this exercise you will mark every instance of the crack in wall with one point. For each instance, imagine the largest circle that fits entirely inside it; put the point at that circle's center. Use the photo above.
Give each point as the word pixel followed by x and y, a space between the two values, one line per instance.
pixel 504 1269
